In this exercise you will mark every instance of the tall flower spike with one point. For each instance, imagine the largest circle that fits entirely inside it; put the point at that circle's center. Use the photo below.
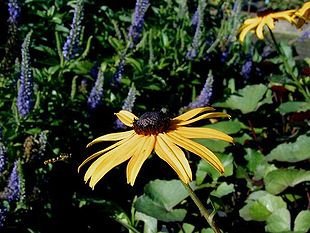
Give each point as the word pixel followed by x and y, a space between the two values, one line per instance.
pixel 205 95
pixel 198 22
pixel 94 99
pixel 9 54
pixel 13 188
pixel 70 48
pixel 117 76
pixel 3 155
pixel 3 214
pixel 127 105
pixel 25 91
pixel 136 26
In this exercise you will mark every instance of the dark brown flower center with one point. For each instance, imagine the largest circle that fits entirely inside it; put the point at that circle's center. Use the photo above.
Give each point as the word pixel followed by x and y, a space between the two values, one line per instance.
pixel 264 12
pixel 151 123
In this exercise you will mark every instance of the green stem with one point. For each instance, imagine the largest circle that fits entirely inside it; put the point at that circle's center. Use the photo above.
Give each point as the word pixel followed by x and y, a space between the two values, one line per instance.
pixel 288 67
pixel 204 212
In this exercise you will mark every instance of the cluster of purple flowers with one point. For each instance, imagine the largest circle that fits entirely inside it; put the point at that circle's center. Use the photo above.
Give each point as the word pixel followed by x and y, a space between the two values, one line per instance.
pixel 3 214
pixel 95 96
pixel 25 91
pixel 3 155
pixel 14 11
pixel 197 21
pixel 127 105
pixel 205 95
pixel 70 48
pixel 10 51
pixel 13 188
pixel 136 26
pixel 117 76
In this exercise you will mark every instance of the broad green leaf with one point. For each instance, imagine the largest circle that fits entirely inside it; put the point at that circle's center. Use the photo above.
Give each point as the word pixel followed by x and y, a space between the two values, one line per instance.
pixel 302 221
pixel 159 199
pixel 278 180
pixel 187 228
pixel 223 189
pixel 279 221
pixel 213 144
pixel 291 152
pixel 260 205
pixel 228 127
pixel 294 106
pixel 246 100
pixel 150 223
pixel 204 168
pixel 254 158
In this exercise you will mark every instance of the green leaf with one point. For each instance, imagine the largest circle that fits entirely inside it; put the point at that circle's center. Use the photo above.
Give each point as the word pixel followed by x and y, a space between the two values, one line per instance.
pixel 291 152
pixel 260 205
pixel 187 228
pixel 223 189
pixel 254 158
pixel 246 99
pixel 279 221
pixel 294 106
pixel 229 127
pixel 159 199
pixel 302 221
pixel 204 168
pixel 278 180
pixel 150 223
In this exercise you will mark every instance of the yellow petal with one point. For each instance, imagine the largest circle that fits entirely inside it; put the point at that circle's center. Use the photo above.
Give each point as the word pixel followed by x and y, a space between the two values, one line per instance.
pixel 260 27
pixel 200 132
pixel 103 151
pixel 137 160
pixel 191 113
pixel 110 160
pixel 245 31
pixel 112 137
pixel 197 149
pixel 270 23
pixel 205 116
pixel 126 117
pixel 174 156
pixel 255 20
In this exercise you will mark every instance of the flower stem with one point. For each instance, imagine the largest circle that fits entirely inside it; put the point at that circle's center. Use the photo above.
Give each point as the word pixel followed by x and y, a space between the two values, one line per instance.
pixel 288 68
pixel 204 212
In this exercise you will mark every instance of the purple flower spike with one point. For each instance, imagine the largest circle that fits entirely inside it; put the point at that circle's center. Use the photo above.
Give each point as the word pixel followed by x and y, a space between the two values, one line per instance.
pixel 94 99
pixel 25 92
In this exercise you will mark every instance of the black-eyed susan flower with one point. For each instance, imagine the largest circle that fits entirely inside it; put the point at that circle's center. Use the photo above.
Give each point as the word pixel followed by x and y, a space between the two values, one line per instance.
pixel 302 15
pixel 263 18
pixel 155 131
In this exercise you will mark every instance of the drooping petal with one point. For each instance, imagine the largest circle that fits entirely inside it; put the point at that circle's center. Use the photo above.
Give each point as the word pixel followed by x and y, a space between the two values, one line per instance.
pixel 260 28
pixel 205 116
pixel 139 157
pixel 174 156
pixel 91 157
pixel 200 132
pixel 197 149
pixel 190 114
pixel 245 31
pixel 126 117
pixel 112 137
pixel 110 160
pixel 270 23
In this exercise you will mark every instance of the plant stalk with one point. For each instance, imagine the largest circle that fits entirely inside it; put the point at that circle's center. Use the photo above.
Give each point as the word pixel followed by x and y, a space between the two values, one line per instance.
pixel 204 212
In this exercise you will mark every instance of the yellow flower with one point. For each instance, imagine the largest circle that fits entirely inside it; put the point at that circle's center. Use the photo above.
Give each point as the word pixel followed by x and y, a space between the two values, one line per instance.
pixel 262 19
pixel 302 15
pixel 155 131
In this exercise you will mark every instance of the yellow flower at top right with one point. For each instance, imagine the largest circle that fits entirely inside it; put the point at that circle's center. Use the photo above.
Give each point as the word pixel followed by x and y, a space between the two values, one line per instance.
pixel 302 15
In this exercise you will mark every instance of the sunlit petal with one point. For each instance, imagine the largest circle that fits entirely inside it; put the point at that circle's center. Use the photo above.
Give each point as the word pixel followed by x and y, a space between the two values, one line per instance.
pixel 91 157
pixel 190 114
pixel 205 116
pixel 137 160
pixel 110 160
pixel 245 31
pixel 174 156
pixel 112 137
pixel 201 132
pixel 270 23
pixel 126 117
pixel 197 149
pixel 260 28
